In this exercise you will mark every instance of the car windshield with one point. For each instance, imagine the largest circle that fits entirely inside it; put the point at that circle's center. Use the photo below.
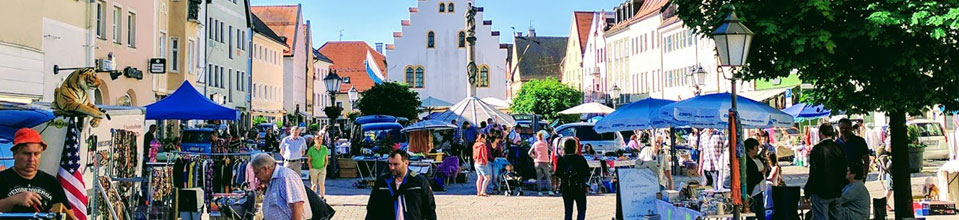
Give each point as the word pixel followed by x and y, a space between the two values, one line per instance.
pixel 196 137
pixel 586 133
pixel 929 129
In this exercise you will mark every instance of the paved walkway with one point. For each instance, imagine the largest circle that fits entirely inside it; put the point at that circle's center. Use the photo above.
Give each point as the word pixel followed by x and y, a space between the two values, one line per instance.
pixel 460 202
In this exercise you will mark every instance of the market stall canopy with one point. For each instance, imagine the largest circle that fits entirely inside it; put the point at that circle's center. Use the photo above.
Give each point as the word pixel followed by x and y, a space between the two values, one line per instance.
pixel 188 104
pixel 587 108
pixel 642 114
pixel 14 116
pixel 434 102
pixel 807 111
pixel 712 111
pixel 496 102
pixel 474 110
pixel 429 125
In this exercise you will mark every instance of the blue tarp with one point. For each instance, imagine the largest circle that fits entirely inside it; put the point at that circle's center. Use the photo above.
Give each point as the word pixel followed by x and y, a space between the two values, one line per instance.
pixel 13 117
pixel 366 119
pixel 188 104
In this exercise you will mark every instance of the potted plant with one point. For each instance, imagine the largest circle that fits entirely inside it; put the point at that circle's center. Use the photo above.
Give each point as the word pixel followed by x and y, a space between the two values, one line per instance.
pixel 916 149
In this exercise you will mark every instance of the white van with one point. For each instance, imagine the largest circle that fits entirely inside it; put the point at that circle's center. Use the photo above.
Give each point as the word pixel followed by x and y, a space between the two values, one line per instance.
pixel 933 135
pixel 601 142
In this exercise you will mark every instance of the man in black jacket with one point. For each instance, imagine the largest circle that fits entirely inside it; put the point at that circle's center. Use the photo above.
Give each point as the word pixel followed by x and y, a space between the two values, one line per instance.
pixel 855 147
pixel 401 192
pixel 827 173
pixel 755 178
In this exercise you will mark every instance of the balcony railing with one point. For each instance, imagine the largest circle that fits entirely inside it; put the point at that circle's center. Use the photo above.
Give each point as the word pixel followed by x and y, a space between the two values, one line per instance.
pixel 193 10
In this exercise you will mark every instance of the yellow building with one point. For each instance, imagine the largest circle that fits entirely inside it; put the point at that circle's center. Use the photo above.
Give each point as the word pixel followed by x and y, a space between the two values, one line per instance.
pixel 35 36
pixel 179 44
pixel 267 91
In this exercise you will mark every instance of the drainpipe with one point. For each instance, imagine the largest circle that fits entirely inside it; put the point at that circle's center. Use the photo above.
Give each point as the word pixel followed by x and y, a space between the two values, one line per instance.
pixel 88 48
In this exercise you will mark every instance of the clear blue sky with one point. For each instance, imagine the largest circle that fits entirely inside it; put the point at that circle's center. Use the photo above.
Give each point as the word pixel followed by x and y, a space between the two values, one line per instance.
pixel 375 21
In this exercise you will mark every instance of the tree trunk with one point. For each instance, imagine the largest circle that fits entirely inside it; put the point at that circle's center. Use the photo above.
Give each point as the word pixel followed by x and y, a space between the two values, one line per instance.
pixel 900 166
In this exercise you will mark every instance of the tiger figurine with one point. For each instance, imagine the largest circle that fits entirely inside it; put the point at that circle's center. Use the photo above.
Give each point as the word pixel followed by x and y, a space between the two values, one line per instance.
pixel 72 99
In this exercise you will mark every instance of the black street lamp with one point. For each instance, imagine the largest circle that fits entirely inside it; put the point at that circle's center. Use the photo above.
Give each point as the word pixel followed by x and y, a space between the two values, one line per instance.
pixel 614 94
pixel 732 40
pixel 332 86
pixel 698 78
pixel 354 95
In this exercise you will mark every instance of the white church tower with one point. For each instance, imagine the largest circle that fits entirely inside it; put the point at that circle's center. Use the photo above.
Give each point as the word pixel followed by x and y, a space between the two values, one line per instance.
pixel 430 53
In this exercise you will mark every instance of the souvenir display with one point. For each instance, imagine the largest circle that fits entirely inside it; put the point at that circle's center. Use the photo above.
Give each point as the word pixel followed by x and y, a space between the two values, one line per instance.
pixel 125 159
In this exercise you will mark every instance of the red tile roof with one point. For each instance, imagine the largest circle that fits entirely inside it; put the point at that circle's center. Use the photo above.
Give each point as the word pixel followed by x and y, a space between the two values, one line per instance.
pixel 584 19
pixel 283 19
pixel 348 60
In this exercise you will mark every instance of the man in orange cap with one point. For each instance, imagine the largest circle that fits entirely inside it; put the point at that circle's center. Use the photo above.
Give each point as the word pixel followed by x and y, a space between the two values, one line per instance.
pixel 24 188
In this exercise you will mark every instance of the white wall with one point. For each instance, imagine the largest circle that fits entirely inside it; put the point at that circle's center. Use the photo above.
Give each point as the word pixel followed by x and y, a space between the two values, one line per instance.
pixel 64 47
pixel 595 43
pixel 445 65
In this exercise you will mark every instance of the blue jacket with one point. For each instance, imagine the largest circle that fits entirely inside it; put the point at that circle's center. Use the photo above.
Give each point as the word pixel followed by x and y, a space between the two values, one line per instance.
pixel 469 135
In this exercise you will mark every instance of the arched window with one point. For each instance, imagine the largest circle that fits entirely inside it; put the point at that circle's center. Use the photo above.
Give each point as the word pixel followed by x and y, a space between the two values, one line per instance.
pixel 442 7
pixel 462 41
pixel 429 39
pixel 125 100
pixel 450 7
pixel 419 78
pixel 409 76
pixel 483 77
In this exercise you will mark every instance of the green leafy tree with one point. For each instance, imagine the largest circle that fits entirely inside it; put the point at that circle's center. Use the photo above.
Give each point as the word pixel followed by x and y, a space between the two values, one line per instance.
pixel 389 98
pixel 546 97
pixel 895 56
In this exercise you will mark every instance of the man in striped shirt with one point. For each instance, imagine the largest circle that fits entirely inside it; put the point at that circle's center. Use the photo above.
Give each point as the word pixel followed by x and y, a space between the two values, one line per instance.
pixel 285 195
pixel 710 162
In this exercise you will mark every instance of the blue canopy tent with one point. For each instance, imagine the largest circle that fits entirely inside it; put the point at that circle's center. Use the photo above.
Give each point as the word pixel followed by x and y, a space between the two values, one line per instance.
pixel 13 117
pixel 188 104
pixel 806 111
pixel 366 119
pixel 642 114
pixel 712 111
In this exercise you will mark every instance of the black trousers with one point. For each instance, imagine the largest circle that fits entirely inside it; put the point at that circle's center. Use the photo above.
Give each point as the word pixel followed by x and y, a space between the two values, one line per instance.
pixel 578 196
pixel 758 206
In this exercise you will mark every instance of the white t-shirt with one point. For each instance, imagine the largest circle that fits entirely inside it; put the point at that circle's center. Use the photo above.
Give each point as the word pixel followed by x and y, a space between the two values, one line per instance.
pixel 293 147
pixel 761 186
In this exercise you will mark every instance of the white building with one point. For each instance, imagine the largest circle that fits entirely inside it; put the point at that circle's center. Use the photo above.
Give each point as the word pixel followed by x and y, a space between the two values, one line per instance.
pixel 429 54
pixel 595 86
pixel 287 22
pixel 652 54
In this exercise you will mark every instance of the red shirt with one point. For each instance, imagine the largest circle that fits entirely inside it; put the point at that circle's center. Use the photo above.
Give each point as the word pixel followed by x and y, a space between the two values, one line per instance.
pixel 480 153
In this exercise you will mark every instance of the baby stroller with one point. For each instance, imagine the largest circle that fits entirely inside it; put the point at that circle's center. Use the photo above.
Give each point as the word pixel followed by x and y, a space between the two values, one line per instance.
pixel 512 182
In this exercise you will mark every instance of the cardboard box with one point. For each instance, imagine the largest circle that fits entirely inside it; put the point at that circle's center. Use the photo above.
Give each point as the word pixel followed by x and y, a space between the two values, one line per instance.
pixel 349 173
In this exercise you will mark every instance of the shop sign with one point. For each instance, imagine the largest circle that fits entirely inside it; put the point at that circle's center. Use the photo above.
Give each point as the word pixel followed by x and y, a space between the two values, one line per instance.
pixel 158 65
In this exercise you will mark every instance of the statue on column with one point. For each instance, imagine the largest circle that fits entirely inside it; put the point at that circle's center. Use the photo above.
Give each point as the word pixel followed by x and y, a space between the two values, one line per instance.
pixel 471 69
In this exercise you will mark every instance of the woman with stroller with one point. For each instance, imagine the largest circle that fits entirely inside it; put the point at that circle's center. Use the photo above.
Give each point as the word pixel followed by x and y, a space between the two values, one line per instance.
pixel 573 172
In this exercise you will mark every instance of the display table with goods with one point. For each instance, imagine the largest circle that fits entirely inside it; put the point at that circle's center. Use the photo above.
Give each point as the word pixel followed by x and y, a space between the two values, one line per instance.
pixel 369 167
pixel 639 196
pixel 603 171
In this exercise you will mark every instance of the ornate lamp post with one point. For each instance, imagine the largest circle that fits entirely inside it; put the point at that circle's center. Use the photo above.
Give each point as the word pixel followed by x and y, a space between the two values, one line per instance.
pixel 732 43
pixel 332 81
pixel 354 95
pixel 698 78
pixel 614 94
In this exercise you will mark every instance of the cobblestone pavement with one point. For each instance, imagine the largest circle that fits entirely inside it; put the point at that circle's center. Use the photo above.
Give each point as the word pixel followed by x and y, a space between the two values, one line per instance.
pixel 460 202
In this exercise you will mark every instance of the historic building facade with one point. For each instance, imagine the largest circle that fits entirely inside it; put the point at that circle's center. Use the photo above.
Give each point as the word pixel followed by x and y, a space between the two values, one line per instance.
pixel 429 54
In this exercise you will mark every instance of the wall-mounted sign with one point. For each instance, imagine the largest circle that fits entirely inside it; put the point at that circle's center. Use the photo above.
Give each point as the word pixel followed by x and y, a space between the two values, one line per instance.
pixel 158 65
pixel 131 72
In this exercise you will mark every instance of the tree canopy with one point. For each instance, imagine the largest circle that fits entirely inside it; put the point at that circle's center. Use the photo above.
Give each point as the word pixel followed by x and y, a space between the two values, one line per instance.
pixel 389 98
pixel 886 55
pixel 546 97
pixel 896 56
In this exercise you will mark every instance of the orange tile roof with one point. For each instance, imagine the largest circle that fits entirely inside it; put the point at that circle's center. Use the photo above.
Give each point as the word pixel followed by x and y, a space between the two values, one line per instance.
pixel 584 19
pixel 348 60
pixel 649 8
pixel 283 19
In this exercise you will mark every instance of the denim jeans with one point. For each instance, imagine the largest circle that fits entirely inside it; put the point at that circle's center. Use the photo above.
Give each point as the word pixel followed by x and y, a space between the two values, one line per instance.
pixel 824 209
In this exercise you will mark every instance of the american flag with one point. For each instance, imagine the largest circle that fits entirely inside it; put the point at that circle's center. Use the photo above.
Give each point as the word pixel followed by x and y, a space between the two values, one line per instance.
pixel 69 175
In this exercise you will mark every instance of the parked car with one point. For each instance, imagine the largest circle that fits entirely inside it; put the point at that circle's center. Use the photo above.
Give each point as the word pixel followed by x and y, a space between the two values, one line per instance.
pixel 219 128
pixel 196 140
pixel 601 142
pixel 933 135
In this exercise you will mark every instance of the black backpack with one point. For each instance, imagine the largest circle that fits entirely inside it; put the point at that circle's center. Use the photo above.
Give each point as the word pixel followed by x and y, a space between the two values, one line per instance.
pixel 321 210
